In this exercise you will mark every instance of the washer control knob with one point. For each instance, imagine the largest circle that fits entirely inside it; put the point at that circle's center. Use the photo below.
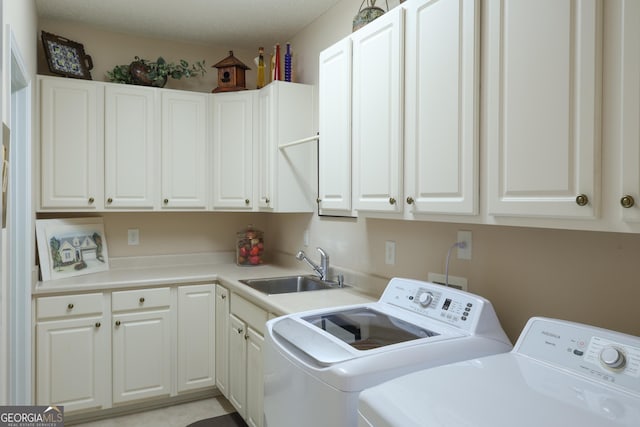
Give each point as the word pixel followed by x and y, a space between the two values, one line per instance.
pixel 425 299
pixel 612 358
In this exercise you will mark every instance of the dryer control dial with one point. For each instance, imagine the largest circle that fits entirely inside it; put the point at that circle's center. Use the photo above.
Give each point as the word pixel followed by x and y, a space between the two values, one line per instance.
pixel 612 357
pixel 425 299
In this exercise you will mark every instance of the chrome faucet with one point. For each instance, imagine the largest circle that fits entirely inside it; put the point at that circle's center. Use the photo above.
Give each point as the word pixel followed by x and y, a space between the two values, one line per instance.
pixel 321 270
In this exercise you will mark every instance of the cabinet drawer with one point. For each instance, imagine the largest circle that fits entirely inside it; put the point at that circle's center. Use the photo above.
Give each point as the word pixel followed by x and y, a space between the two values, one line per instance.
pixel 249 312
pixel 140 299
pixel 69 305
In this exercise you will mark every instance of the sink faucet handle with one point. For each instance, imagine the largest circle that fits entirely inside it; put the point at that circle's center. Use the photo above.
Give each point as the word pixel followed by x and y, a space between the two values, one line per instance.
pixel 324 263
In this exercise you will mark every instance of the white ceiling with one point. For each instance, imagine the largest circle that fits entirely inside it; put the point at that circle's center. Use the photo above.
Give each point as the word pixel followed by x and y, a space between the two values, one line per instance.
pixel 238 23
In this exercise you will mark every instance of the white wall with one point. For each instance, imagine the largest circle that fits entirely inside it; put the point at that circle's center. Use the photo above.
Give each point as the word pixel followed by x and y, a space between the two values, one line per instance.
pixel 19 26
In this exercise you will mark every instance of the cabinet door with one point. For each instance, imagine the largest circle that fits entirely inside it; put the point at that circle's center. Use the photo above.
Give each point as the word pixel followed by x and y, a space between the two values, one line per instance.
pixel 71 143
pixel 72 363
pixel 267 135
pixel 287 176
pixel 196 337
pixel 184 149
pixel 233 160
pixel 141 355
pixel 630 105
pixel 377 113
pixel 255 380
pixel 222 340
pixel 130 139
pixel 238 365
pixel 543 98
pixel 441 106
pixel 334 148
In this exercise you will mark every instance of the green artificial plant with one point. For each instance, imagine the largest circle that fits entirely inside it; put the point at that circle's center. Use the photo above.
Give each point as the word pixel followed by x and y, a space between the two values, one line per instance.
pixel 154 73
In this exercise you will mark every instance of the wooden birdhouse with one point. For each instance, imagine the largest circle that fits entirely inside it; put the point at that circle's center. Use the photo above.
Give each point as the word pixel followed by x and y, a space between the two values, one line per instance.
pixel 230 74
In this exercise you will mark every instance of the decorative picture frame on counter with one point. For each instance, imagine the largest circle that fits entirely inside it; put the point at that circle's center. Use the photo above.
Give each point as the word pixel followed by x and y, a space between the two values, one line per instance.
pixel 66 57
pixel 71 247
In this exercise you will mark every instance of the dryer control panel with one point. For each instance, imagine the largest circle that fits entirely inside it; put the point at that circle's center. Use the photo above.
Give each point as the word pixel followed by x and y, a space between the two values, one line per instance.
pixel 605 356
pixel 458 308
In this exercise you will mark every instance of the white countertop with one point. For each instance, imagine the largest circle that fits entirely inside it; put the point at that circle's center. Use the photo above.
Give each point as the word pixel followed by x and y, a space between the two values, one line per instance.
pixel 225 273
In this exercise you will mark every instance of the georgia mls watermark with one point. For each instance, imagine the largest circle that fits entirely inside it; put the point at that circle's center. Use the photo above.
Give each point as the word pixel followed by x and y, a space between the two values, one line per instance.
pixel 32 416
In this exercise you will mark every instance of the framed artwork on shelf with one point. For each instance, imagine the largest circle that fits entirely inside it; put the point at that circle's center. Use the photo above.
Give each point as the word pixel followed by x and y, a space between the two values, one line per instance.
pixel 71 247
pixel 66 57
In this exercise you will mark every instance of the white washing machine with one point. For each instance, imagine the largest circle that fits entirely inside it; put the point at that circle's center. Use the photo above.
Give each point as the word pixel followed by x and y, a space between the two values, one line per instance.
pixel 558 374
pixel 317 362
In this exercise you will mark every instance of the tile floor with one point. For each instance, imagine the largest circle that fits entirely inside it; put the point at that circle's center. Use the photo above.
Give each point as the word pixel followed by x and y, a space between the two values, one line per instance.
pixel 171 416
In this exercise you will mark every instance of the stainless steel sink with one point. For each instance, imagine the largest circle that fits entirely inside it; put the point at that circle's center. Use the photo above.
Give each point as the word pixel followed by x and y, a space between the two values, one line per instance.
pixel 288 284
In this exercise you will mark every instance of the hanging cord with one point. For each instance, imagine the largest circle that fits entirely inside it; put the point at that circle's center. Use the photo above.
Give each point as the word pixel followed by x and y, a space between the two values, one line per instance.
pixel 460 245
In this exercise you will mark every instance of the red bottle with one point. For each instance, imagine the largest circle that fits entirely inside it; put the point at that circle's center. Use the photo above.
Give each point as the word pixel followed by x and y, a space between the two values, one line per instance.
pixel 276 67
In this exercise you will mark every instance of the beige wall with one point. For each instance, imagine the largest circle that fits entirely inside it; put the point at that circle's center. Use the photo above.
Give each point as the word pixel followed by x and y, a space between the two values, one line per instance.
pixel 581 276
pixel 108 49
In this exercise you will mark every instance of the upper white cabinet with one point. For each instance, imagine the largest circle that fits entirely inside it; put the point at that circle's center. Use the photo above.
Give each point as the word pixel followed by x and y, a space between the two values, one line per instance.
pixel 131 146
pixel 286 179
pixel 628 89
pixel 543 61
pixel 71 120
pixel 334 147
pixel 184 150
pixel 441 107
pixel 378 65
pixel 234 165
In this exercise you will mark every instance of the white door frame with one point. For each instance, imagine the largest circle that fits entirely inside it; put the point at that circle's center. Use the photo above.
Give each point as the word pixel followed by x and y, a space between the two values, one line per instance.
pixel 20 230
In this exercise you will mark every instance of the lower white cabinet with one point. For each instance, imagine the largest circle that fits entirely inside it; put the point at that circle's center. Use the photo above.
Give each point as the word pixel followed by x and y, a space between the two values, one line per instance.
pixel 141 344
pixel 98 350
pixel 246 339
pixel 72 336
pixel 238 365
pixel 196 337
pixel 222 339
pixel 255 378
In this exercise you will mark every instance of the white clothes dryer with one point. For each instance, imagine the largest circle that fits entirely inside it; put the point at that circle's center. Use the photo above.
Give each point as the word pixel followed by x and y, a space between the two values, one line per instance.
pixel 318 362
pixel 558 374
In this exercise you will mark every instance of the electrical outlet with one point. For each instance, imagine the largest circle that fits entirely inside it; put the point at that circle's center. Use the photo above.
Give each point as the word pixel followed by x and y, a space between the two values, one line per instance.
pixel 464 251
pixel 133 236
pixel 454 282
pixel 390 252
pixel 306 238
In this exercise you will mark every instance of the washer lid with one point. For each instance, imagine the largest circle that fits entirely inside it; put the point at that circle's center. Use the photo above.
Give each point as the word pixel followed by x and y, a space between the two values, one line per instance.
pixel 317 346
